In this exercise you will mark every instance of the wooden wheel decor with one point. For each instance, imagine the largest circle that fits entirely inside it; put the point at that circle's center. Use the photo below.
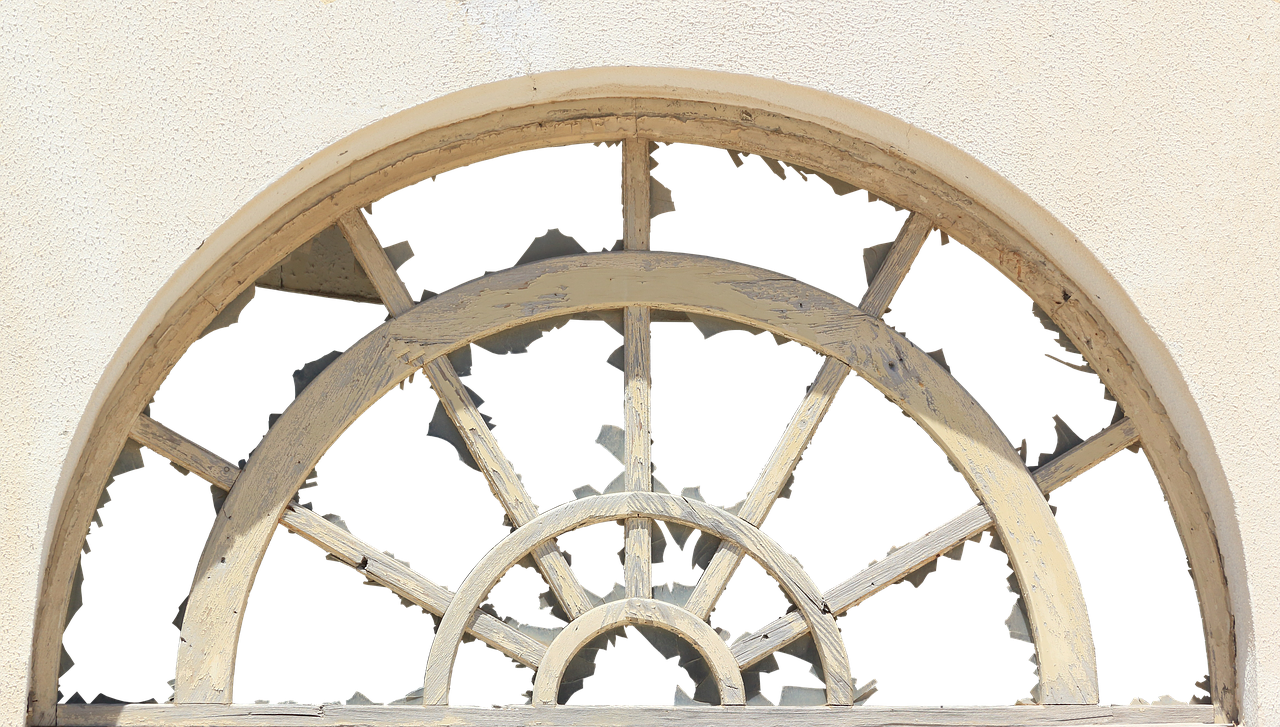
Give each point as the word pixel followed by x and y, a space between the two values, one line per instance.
pixel 630 287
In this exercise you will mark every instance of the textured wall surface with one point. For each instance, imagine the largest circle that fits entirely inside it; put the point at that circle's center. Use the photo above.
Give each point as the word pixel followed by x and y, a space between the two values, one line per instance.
pixel 129 132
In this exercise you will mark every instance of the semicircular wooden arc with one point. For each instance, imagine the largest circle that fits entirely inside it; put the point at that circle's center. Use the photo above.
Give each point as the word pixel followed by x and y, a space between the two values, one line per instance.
pixel 784 569
pixel 644 612
pixel 582 283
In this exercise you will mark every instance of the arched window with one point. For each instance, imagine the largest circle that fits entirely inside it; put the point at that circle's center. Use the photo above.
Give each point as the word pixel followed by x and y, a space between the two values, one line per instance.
pixel 322 243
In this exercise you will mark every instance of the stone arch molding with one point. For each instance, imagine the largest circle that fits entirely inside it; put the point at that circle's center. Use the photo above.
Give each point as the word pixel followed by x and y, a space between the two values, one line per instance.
pixel 812 130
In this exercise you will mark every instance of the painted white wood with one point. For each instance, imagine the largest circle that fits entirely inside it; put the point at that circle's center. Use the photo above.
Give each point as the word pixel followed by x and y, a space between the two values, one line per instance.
pixel 567 285
pixel 176 448
pixel 901 562
pixel 646 612
pixel 637 359
pixel 635 193
pixel 782 567
pixel 328 715
pixel 405 582
pixel 370 561
pixel 374 260
pixel 894 270
pixel 503 481
pixel 783 461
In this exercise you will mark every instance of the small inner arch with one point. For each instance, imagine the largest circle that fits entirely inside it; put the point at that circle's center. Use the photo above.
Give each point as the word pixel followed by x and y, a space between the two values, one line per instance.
pixel 639 612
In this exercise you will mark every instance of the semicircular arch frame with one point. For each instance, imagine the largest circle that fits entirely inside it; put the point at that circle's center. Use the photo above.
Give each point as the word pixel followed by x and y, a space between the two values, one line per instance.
pixel 593 105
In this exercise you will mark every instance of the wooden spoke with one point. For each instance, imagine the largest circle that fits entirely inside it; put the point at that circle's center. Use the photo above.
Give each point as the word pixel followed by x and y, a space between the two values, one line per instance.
pixel 783 461
pixel 638 566
pixel 178 449
pixel 404 582
pixel 648 612
pixel 783 568
pixel 504 482
pixel 344 546
pixel 635 193
pixel 896 264
pixel 908 558
pixel 374 260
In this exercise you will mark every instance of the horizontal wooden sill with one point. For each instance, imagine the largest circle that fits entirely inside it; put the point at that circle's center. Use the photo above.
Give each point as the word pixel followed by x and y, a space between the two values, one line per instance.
pixel 310 715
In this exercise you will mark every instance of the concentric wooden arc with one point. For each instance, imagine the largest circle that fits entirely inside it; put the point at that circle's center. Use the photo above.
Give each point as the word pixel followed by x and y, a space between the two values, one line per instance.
pixel 610 281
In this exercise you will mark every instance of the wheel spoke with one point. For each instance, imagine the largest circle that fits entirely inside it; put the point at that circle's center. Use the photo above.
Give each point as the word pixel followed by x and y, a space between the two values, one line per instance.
pixel 374 260
pixel 783 461
pixel 403 581
pixel 638 566
pixel 908 558
pixel 374 564
pixel 891 274
pixel 638 559
pixel 503 481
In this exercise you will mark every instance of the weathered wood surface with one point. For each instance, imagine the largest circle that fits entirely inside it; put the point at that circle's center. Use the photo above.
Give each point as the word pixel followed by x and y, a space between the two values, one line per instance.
pixel 331 715
pixel 405 582
pixel 373 563
pixel 637 358
pixel 504 482
pixel 839 153
pixel 894 270
pixel 178 449
pixel 581 283
pixel 375 263
pixel 778 564
pixel 646 612
pixel 903 561
pixel 782 462
pixel 243 528
pixel 635 193
pixel 909 377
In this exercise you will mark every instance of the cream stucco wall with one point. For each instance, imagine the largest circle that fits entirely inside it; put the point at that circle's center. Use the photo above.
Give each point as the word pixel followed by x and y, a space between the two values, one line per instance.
pixel 1149 132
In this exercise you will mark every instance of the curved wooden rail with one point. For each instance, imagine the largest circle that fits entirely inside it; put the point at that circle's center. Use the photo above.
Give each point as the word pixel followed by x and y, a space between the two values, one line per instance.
pixel 606 508
pixel 648 612
pixel 568 285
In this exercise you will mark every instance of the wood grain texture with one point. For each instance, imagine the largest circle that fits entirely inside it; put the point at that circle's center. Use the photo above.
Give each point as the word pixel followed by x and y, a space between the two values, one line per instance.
pixel 375 263
pixel 782 462
pixel 635 193
pixel 177 448
pixel 371 562
pixel 838 152
pixel 243 528
pixel 637 380
pixel 894 270
pixel 646 612
pixel 560 286
pixel 906 375
pixel 329 715
pixel 407 583
pixel 903 561
pixel 783 568
pixel 503 481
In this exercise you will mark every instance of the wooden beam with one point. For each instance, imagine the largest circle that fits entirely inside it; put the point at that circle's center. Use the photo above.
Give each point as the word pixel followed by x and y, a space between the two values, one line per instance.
pixel 894 270
pixel 903 561
pixel 369 252
pixel 783 461
pixel 635 193
pixel 403 581
pixel 638 561
pixel 337 715
pixel 182 451
pixel 504 482
pixel 344 546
